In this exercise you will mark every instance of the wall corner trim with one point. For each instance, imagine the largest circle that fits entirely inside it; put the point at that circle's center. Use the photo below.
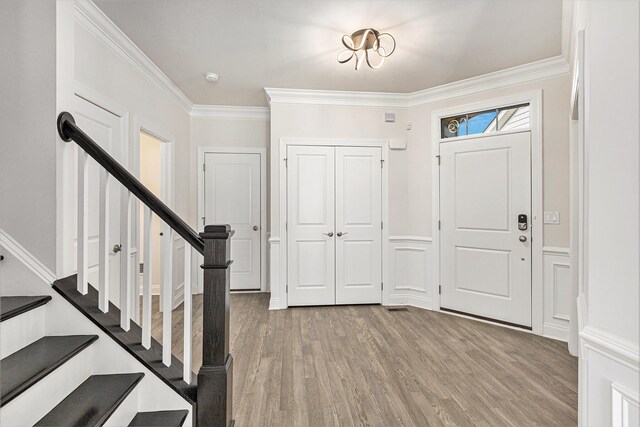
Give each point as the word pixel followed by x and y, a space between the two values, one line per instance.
pixel 94 20
pixel 25 257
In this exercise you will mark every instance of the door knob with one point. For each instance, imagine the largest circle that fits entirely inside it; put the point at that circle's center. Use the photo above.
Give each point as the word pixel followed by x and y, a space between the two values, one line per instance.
pixel 255 228
pixel 522 238
pixel 117 248
pixel 340 233
pixel 330 234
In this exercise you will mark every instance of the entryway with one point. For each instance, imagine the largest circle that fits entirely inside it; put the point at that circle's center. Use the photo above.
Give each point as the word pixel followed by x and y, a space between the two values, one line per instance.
pixel 334 225
pixel 485 190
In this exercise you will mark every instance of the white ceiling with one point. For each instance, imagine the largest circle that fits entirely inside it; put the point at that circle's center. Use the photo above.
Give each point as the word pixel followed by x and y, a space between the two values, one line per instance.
pixel 255 44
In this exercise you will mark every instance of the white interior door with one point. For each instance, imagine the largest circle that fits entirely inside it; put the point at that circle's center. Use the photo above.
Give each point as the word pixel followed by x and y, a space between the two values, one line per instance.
pixel 106 129
pixel 358 225
pixel 232 196
pixel 311 225
pixel 485 183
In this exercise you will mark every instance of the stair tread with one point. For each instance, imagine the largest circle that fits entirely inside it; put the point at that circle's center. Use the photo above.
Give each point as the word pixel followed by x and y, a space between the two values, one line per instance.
pixel 27 366
pixel 130 340
pixel 159 419
pixel 15 305
pixel 93 402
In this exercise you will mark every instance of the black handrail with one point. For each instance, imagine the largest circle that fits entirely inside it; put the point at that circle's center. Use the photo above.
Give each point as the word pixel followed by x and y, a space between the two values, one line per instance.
pixel 68 130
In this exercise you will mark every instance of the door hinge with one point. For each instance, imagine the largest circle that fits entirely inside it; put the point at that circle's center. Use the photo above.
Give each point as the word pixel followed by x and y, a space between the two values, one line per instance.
pixel 286 226
pixel 382 285
pixel 439 224
pixel 203 221
pixel 204 167
pixel 381 164
pixel 381 225
pixel 438 157
pixel 286 163
pixel 440 289
pixel 287 288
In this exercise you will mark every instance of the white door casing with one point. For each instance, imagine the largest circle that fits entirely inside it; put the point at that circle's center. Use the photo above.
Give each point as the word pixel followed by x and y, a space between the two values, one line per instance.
pixel 232 195
pixel 104 128
pixel 358 186
pixel 485 183
pixel 311 225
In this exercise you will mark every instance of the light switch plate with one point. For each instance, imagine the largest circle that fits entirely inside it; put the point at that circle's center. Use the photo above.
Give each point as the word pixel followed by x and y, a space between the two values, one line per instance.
pixel 551 217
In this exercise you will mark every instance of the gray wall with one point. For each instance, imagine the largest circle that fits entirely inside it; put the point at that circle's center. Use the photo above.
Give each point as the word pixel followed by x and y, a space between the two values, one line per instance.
pixel 27 125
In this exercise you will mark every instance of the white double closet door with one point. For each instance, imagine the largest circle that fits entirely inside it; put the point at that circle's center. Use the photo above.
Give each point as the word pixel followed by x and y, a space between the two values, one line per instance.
pixel 334 225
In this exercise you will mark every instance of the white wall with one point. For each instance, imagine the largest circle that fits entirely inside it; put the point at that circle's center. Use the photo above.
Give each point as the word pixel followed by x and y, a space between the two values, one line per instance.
pixel 28 123
pixel 610 321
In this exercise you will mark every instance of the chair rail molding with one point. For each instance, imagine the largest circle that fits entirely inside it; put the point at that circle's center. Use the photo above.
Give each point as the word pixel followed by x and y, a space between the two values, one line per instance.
pixel 25 257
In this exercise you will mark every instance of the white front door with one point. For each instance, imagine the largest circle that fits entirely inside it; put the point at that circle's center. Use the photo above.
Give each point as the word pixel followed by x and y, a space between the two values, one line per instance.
pixel 358 225
pixel 311 225
pixel 232 196
pixel 334 234
pixel 106 129
pixel 485 184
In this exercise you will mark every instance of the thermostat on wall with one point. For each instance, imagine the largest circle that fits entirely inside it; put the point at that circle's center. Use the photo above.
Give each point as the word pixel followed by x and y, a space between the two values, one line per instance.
pixel 390 117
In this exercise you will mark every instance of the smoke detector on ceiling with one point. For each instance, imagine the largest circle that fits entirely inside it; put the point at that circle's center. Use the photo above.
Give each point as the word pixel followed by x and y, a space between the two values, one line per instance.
pixel 212 77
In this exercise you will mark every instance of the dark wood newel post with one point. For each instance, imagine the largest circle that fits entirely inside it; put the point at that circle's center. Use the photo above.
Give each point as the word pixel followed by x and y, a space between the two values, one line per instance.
pixel 215 378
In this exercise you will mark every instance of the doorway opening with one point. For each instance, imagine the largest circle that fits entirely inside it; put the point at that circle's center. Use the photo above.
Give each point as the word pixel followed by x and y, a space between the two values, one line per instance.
pixel 151 177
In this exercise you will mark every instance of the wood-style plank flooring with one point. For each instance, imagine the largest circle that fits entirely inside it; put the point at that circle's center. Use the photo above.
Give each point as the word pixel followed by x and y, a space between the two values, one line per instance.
pixel 365 365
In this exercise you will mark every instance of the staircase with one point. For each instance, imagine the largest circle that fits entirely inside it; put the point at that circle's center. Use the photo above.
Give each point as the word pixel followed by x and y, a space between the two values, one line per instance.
pixel 28 374
pixel 117 374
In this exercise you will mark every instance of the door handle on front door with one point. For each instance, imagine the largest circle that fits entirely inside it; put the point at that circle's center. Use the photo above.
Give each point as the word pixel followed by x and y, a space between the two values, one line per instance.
pixel 117 248
pixel 255 228
pixel 330 234
pixel 340 234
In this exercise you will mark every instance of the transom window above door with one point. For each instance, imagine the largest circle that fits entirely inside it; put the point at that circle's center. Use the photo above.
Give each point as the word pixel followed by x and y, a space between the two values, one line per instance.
pixel 503 119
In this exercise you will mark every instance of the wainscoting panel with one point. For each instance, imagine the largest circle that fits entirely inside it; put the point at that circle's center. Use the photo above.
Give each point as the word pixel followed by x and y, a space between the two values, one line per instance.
pixel 556 293
pixel 410 276
pixel 610 369
pixel 278 297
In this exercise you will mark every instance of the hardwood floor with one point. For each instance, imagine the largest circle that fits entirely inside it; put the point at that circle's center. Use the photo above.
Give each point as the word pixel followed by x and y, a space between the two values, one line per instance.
pixel 365 365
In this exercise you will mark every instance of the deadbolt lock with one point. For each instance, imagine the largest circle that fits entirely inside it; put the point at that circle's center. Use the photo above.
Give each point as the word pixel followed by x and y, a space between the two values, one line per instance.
pixel 522 238
pixel 255 228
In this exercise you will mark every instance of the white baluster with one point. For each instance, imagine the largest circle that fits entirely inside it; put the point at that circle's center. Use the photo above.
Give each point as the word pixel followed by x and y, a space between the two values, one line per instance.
pixel 167 294
pixel 104 250
pixel 134 296
pixel 187 314
pixel 83 221
pixel 146 280
pixel 125 262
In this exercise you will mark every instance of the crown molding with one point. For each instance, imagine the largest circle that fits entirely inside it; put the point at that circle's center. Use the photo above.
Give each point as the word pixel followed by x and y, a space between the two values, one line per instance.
pixel 534 71
pixel 104 29
pixel 527 73
pixel 230 112
pixel 335 97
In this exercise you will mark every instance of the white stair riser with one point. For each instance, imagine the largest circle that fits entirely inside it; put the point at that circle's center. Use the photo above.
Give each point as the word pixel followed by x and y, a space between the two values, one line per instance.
pixel 126 411
pixel 22 330
pixel 39 399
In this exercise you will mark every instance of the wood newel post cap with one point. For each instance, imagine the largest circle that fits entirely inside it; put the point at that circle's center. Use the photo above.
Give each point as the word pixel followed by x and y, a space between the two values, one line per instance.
pixel 217 232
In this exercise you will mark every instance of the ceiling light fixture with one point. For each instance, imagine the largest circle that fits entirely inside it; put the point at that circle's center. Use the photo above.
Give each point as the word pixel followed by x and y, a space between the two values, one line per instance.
pixel 366 45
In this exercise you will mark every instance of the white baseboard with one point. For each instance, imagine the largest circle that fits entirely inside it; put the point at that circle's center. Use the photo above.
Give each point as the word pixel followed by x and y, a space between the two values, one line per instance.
pixel 24 256
pixel 555 332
